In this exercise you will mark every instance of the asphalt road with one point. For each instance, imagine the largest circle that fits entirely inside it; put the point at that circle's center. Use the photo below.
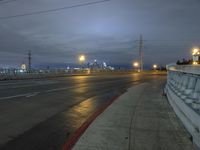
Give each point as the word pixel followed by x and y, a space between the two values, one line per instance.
pixel 42 114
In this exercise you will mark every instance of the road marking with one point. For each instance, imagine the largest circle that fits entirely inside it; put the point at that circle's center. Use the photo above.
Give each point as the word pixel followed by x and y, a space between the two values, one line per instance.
pixel 32 94
pixel 3 84
pixel 65 88
pixel 20 95
pixel 20 85
pixel 58 89
pixel 15 96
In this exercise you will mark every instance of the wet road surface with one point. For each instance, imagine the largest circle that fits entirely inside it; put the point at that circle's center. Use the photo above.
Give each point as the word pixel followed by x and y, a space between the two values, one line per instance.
pixel 42 114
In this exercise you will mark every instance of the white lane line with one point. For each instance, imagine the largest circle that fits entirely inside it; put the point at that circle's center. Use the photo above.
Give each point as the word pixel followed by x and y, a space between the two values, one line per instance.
pixel 15 96
pixel 18 83
pixel 15 87
pixel 27 85
pixel 3 84
pixel 58 89
pixel 20 95
pixel 32 94
pixel 64 88
pixel 27 82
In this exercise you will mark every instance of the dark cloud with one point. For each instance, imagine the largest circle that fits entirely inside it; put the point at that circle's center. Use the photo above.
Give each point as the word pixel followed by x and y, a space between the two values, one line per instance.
pixel 107 31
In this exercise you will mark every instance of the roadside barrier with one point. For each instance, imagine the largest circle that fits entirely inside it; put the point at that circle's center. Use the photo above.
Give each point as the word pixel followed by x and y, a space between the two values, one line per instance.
pixel 183 92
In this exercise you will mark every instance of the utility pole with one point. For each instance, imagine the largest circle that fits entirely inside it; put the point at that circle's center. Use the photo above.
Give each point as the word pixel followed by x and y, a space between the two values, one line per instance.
pixel 141 52
pixel 29 60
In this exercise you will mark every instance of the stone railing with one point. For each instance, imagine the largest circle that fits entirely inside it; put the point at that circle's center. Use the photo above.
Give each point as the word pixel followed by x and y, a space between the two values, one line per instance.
pixel 12 74
pixel 183 92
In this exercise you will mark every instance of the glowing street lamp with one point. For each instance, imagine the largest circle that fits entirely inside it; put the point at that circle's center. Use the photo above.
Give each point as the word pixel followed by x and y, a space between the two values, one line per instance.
pixel 195 51
pixel 196 56
pixel 23 66
pixel 155 66
pixel 82 58
pixel 136 66
pixel 194 63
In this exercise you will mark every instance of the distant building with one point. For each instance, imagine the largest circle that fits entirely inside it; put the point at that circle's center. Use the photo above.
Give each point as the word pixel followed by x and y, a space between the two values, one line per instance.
pixel 95 65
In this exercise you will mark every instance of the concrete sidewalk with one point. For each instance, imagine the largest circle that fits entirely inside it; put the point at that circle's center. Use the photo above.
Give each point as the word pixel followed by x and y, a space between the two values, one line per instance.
pixel 140 119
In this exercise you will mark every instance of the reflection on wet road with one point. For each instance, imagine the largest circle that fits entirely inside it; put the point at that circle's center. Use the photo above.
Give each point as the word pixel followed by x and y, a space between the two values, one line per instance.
pixel 42 114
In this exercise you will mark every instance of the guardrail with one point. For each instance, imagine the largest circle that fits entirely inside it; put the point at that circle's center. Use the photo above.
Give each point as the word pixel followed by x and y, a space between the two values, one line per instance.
pixel 6 74
pixel 183 92
pixel 10 74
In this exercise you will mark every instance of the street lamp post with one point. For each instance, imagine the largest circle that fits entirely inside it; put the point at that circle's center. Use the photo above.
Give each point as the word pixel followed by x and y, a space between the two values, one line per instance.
pixel 82 59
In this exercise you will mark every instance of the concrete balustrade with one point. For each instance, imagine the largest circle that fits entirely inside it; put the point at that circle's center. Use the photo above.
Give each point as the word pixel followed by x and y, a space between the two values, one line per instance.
pixel 183 92
pixel 15 74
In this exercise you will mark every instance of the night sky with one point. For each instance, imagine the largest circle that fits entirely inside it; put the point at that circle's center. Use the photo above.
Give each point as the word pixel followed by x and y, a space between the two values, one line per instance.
pixel 106 31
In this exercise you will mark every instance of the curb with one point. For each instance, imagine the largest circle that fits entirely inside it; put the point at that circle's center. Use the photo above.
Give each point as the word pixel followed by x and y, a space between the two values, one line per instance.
pixel 77 134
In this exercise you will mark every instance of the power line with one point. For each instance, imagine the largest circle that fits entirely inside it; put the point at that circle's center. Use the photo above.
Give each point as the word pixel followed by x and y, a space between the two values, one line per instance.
pixel 6 2
pixel 52 10
pixel 171 40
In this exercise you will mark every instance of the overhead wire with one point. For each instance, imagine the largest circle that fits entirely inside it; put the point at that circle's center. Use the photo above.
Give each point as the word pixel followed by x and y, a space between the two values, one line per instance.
pixel 6 2
pixel 52 10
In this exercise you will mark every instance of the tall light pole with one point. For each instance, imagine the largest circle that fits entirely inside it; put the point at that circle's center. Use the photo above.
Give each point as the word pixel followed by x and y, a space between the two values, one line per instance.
pixel 29 60
pixel 141 52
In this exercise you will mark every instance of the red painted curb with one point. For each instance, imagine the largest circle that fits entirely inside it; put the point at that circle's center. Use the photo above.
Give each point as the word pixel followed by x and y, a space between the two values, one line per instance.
pixel 74 138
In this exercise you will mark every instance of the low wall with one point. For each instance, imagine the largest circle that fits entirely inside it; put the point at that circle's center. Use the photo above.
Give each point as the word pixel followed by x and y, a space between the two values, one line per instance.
pixel 37 74
pixel 183 92
pixel 193 69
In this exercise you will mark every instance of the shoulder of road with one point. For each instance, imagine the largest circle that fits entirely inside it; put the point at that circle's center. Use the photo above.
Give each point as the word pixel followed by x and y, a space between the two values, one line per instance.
pixel 139 119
